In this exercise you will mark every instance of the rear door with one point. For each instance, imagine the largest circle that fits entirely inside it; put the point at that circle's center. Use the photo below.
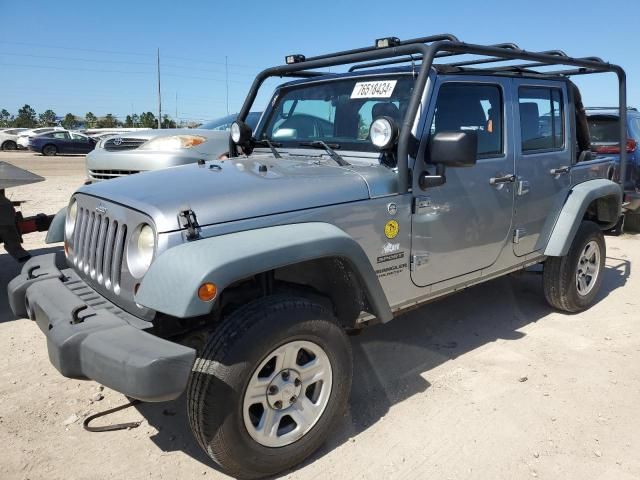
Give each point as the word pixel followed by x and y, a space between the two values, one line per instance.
pixel 463 226
pixel 543 161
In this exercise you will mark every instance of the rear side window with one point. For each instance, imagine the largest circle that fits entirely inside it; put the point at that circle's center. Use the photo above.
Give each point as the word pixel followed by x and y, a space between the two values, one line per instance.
pixel 604 128
pixel 541 118
pixel 467 106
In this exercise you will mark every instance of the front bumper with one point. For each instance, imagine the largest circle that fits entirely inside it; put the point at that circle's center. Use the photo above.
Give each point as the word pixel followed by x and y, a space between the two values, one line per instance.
pixel 90 338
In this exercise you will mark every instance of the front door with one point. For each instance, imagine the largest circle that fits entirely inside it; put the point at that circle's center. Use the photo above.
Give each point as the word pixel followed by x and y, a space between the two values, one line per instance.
pixel 463 225
pixel 543 161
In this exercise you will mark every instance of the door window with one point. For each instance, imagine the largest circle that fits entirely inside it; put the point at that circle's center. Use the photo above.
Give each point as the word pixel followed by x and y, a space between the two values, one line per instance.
pixel 541 118
pixel 476 107
pixel 79 138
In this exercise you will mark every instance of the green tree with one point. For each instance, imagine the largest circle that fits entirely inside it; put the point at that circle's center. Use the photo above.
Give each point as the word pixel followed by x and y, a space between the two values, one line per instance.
pixel 167 122
pixel 69 121
pixel 148 120
pixel 108 121
pixel 48 119
pixel 26 117
pixel 128 121
pixel 6 119
pixel 90 120
pixel 135 118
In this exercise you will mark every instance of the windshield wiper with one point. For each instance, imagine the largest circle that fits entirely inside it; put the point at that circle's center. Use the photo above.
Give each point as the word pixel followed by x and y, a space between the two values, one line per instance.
pixel 266 143
pixel 329 149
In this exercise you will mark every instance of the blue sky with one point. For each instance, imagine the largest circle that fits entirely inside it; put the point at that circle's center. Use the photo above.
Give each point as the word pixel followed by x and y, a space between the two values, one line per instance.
pixel 76 56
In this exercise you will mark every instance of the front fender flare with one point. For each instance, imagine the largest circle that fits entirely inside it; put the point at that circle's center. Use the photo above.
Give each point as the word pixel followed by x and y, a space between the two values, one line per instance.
pixel 55 233
pixel 574 209
pixel 171 284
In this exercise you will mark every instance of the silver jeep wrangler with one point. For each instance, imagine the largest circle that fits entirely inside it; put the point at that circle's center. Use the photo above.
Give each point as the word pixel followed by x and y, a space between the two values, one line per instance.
pixel 359 195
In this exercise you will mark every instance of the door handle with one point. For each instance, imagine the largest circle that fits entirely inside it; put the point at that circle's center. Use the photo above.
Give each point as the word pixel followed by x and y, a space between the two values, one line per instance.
pixel 504 179
pixel 559 170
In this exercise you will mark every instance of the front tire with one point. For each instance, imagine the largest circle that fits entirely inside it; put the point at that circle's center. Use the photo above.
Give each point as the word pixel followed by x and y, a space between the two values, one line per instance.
pixel 49 150
pixel 572 282
pixel 270 385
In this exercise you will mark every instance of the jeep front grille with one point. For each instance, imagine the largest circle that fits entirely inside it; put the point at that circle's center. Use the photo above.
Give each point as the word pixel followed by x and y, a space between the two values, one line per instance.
pixel 123 143
pixel 98 248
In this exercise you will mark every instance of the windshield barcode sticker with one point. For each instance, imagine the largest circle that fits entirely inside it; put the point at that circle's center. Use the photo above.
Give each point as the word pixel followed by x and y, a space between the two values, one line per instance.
pixel 378 89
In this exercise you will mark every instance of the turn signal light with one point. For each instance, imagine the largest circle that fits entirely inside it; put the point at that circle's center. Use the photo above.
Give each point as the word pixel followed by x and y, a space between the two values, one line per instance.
pixel 207 292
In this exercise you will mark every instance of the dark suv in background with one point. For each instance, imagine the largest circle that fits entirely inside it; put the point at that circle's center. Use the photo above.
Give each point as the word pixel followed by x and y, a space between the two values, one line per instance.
pixel 603 127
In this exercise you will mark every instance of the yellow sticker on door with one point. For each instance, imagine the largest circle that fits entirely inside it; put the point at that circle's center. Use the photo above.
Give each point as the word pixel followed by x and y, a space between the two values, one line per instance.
pixel 391 229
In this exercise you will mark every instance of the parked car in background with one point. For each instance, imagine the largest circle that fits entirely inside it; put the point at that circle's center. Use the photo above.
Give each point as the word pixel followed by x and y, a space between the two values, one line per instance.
pixel 61 141
pixel 141 151
pixel 9 138
pixel 23 138
pixel 603 127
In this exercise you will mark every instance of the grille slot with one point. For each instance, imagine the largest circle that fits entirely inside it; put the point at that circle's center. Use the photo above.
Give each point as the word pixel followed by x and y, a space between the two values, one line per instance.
pixel 123 143
pixel 98 248
pixel 108 174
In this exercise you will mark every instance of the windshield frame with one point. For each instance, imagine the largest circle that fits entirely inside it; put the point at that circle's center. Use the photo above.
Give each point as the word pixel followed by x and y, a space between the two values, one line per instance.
pixel 281 90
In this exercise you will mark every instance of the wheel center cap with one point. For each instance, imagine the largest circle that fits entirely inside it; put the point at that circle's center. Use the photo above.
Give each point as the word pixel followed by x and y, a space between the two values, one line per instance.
pixel 284 390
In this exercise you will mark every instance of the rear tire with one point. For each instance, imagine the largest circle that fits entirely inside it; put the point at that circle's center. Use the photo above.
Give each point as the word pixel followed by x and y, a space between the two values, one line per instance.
pixel 9 145
pixel 49 150
pixel 572 282
pixel 244 381
pixel 632 222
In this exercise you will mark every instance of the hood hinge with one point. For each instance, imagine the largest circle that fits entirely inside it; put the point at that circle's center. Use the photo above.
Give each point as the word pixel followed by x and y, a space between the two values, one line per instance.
pixel 190 222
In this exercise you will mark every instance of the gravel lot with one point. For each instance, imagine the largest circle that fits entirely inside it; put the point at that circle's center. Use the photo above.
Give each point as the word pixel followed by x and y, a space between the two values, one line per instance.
pixel 487 384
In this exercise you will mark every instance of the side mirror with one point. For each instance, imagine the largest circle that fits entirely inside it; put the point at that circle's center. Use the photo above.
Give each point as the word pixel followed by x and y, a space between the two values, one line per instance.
pixel 454 149
pixel 449 149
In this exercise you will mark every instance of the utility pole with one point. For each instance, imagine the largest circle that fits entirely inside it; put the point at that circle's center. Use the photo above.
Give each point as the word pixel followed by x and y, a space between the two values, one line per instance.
pixel 159 96
pixel 226 72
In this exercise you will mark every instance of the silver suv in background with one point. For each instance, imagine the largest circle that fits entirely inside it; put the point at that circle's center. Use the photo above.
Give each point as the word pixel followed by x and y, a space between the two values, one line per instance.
pixel 137 152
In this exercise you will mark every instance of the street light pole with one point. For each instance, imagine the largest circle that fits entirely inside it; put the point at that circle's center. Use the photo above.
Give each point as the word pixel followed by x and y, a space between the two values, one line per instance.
pixel 159 96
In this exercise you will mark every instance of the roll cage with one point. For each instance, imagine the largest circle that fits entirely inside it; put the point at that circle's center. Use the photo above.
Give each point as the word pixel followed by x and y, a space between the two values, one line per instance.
pixel 426 50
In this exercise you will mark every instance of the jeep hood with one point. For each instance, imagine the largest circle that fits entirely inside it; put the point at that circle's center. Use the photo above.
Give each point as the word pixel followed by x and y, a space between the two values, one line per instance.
pixel 225 191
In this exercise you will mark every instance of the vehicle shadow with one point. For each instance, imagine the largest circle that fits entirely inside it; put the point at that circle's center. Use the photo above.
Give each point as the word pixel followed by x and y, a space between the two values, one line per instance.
pixel 389 360
pixel 9 268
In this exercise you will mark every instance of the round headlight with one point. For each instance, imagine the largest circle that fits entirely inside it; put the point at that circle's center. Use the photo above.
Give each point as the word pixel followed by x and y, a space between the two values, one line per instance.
pixel 383 132
pixel 140 251
pixel 70 222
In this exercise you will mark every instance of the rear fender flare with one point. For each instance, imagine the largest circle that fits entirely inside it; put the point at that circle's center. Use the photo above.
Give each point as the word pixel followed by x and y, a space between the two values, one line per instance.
pixel 574 209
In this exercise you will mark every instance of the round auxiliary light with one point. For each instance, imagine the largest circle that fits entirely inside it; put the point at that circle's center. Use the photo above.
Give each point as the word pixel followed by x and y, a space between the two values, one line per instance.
pixel 235 132
pixel 383 133
pixel 240 133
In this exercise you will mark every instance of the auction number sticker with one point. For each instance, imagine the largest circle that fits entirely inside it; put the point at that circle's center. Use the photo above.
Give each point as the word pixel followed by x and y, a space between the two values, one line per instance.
pixel 377 89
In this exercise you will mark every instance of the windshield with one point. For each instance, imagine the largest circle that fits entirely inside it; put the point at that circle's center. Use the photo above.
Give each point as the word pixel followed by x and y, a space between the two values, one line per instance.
pixel 337 112
pixel 224 123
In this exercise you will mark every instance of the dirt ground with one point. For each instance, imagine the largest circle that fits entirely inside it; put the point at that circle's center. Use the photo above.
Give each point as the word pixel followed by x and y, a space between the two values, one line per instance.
pixel 486 384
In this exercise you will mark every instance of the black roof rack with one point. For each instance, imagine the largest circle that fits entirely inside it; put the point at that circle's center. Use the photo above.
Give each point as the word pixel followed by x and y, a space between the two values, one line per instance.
pixel 425 50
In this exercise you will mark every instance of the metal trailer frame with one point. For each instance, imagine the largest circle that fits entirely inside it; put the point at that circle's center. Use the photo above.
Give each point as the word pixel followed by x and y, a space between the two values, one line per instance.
pixel 426 50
